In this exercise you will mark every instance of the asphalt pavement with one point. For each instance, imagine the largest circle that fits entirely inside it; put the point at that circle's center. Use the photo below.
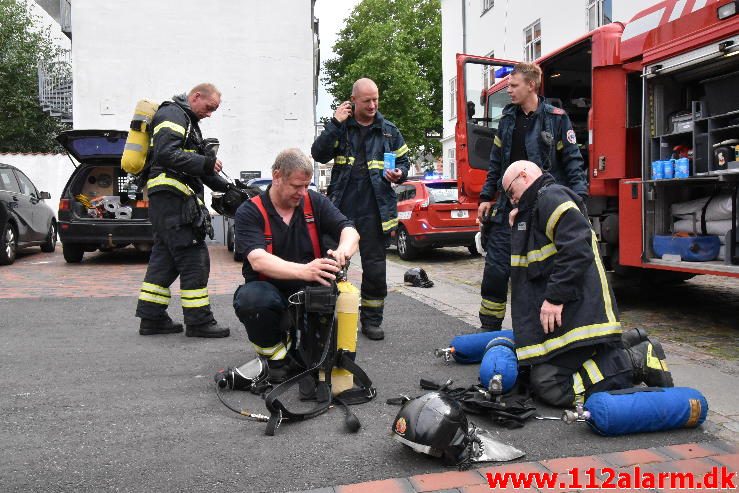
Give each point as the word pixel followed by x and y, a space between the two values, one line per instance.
pixel 90 405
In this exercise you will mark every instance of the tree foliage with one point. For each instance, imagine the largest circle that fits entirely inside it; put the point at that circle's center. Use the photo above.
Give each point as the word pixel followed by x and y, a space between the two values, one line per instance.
pixel 396 43
pixel 24 126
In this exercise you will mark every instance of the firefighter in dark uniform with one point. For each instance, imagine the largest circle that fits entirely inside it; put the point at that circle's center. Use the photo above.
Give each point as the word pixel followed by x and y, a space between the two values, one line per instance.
pixel 357 141
pixel 284 264
pixel 178 167
pixel 536 131
pixel 565 318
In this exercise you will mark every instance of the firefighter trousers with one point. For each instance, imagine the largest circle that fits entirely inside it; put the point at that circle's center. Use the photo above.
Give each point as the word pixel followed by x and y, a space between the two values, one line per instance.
pixel 374 282
pixel 572 376
pixel 176 252
pixel 494 287
pixel 263 309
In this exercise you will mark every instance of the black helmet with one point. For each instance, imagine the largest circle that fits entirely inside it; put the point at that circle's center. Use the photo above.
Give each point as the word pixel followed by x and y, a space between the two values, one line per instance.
pixel 433 424
pixel 417 277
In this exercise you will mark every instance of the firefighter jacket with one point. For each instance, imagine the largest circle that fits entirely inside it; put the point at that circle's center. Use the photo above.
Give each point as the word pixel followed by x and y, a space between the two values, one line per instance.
pixel 554 257
pixel 550 143
pixel 339 141
pixel 177 161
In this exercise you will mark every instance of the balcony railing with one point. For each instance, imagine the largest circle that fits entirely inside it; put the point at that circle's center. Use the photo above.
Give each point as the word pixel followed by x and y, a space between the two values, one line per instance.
pixel 55 87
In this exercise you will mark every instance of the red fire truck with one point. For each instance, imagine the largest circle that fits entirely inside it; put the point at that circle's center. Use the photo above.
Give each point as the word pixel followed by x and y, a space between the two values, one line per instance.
pixel 662 87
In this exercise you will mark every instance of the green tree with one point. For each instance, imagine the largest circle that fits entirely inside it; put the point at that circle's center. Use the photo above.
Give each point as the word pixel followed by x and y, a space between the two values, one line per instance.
pixel 24 126
pixel 396 43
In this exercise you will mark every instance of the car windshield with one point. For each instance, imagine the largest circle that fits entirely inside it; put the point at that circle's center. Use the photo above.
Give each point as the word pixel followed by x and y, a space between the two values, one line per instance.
pixel 442 192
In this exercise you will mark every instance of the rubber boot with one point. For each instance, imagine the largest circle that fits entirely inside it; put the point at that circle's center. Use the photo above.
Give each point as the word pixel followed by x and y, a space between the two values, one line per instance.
pixel 153 327
pixel 373 332
pixel 211 329
pixel 650 367
pixel 632 337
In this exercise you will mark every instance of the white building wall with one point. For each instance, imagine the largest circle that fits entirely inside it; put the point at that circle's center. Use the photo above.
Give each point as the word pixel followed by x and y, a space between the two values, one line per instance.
pixel 501 30
pixel 259 54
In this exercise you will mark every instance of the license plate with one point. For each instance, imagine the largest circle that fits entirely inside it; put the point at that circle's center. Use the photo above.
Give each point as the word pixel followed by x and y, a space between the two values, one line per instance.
pixel 463 214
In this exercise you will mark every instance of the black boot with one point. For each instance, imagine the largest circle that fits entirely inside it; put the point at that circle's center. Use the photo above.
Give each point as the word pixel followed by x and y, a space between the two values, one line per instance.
pixel 211 329
pixel 152 327
pixel 280 370
pixel 373 332
pixel 650 367
pixel 634 336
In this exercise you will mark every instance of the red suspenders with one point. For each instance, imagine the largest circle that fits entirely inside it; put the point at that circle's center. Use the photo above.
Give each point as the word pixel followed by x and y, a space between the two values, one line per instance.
pixel 309 220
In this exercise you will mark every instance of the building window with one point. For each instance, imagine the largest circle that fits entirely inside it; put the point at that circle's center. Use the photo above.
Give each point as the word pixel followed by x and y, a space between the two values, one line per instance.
pixel 532 41
pixel 487 5
pixel 599 13
pixel 453 97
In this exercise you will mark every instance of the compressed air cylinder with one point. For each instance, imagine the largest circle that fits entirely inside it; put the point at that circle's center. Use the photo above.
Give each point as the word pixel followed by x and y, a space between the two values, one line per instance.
pixel 500 359
pixel 645 409
pixel 347 315
pixel 470 348
pixel 137 142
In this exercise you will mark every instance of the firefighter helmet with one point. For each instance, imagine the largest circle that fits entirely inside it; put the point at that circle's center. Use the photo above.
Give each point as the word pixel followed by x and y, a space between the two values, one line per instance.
pixel 417 277
pixel 433 424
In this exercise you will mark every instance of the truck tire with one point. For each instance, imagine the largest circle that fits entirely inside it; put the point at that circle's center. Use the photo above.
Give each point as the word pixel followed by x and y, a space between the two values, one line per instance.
pixel 73 252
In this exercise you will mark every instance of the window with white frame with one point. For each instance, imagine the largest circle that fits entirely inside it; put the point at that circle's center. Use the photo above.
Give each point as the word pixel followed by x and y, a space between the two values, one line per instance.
pixel 532 41
pixel 487 5
pixel 599 13
pixel 488 73
pixel 450 154
pixel 453 98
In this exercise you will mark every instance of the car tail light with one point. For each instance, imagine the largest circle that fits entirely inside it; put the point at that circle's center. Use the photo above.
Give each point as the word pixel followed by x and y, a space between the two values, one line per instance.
pixel 421 206
pixel 142 204
pixel 64 205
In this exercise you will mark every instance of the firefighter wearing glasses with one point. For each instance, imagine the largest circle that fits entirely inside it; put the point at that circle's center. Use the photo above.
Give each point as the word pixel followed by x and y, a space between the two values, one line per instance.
pixel 536 131
pixel 177 169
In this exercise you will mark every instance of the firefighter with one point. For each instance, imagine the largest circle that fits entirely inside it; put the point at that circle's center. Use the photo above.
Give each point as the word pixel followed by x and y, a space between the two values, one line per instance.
pixel 565 319
pixel 177 170
pixel 356 138
pixel 283 259
pixel 536 131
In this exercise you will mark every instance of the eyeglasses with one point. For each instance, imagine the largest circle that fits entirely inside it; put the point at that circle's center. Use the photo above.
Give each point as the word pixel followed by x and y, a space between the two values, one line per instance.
pixel 508 192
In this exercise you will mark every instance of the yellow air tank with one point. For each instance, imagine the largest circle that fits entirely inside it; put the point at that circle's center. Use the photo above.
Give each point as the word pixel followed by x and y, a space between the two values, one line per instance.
pixel 137 143
pixel 347 316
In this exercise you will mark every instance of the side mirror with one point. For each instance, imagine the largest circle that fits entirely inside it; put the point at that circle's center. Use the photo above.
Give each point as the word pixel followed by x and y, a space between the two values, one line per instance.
pixel 44 195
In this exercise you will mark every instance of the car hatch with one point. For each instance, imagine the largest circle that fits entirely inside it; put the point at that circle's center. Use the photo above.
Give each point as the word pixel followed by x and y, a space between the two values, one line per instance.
pixel 93 145
pixel 444 209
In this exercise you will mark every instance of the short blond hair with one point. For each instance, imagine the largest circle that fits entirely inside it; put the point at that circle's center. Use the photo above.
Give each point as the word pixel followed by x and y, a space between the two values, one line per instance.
pixel 291 160
pixel 530 72
pixel 204 88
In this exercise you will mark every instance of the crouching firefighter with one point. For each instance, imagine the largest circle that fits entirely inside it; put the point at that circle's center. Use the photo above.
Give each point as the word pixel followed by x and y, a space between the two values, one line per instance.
pixel 567 331
pixel 178 166
pixel 287 303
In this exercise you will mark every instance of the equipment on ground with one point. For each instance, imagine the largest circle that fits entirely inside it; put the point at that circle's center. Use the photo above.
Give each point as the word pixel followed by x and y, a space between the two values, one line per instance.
pixel 499 367
pixel 245 377
pixel 467 348
pixel 436 425
pixel 417 278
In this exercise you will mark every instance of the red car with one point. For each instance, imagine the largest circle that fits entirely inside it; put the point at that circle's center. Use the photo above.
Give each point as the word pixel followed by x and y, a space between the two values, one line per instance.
pixel 430 216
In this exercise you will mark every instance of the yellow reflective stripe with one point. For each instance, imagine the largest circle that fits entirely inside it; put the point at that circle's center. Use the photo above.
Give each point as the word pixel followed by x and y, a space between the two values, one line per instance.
pixel 163 180
pixel 189 150
pixel 196 303
pixel 607 302
pixel 170 125
pixel 492 313
pixel 594 373
pixel 372 303
pixel 654 362
pixel 194 293
pixel 492 308
pixel 560 145
pixel 388 225
pixel 153 288
pixel 344 160
pixel 577 385
pixel 336 144
pixel 273 351
pixel 556 215
pixel 153 298
pixel 492 304
pixel 578 334
pixel 375 164
pixel 533 256
pixel 497 141
pixel 279 355
pixel 403 149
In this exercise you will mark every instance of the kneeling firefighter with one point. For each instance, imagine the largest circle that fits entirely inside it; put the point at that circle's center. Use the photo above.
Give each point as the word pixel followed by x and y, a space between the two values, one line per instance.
pixel 283 234
pixel 178 165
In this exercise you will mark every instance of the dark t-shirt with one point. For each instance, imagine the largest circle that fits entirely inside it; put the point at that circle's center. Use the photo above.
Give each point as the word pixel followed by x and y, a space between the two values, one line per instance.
pixel 289 242
pixel 518 145
pixel 359 196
